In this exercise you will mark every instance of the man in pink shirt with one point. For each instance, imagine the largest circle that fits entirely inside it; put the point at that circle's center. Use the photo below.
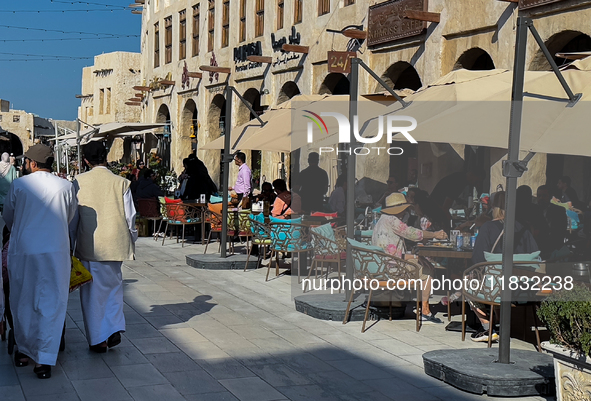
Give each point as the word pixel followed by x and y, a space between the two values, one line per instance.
pixel 243 186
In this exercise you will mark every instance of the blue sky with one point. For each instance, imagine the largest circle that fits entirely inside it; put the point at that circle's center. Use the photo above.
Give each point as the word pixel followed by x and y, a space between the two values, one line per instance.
pixel 48 88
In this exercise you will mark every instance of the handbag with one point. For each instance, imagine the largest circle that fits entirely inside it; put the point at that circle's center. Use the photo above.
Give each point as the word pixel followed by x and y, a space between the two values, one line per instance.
pixel 78 275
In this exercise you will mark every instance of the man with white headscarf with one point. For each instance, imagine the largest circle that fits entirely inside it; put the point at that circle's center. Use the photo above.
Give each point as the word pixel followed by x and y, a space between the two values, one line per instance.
pixel 7 175
pixel 37 211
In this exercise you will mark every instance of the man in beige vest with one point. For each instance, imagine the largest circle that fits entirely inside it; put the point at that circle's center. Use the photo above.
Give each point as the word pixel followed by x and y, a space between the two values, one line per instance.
pixel 105 236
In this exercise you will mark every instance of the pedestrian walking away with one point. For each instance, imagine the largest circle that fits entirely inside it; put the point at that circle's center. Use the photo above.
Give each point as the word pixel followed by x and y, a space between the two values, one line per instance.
pixel 37 211
pixel 105 234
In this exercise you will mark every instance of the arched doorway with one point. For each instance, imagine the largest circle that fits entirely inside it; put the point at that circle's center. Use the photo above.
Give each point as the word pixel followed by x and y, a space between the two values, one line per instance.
pixel 335 84
pixel 475 59
pixel 402 75
pixel 163 116
pixel 288 90
pixel 216 124
pixel 190 126
pixel 10 143
pixel 562 42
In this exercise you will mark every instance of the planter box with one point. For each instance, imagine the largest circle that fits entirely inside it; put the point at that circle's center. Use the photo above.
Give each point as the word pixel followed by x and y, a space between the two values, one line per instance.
pixel 573 373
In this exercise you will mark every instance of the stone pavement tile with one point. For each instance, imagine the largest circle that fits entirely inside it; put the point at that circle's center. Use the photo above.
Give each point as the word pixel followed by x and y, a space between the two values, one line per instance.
pixel 399 389
pixel 75 336
pixel 274 345
pixel 32 386
pixel 202 350
pixel 280 375
pixel 12 393
pixel 434 347
pixel 250 331
pixel 416 359
pixel 224 368
pixel 172 362
pixel 152 309
pixel 307 393
pixel 252 356
pixel 8 376
pixel 54 397
pixel 412 338
pixel 228 338
pixel 396 347
pixel 327 352
pixel 252 389
pixel 82 369
pixel 101 390
pixel 299 337
pixel 337 382
pixel 305 362
pixel 138 375
pixel 5 359
pixel 231 318
pixel 193 382
pixel 154 345
pixel 142 330
pixel 448 392
pixel 223 396
pixel 182 335
pixel 360 369
pixel 166 322
pixel 120 356
pixel 156 393
pixel 209 328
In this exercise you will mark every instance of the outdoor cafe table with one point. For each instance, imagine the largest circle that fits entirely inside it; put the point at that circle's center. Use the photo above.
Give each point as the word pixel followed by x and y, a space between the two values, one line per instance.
pixel 442 252
pixel 202 207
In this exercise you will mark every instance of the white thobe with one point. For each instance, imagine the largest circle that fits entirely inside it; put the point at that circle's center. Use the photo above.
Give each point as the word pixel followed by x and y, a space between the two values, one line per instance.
pixel 37 210
pixel 102 299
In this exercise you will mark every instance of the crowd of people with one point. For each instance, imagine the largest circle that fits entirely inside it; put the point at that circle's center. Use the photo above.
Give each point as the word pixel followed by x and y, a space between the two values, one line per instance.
pixel 48 219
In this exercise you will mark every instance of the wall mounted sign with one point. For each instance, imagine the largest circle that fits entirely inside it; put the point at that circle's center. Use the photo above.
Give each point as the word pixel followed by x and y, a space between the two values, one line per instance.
pixel 386 22
pixel 525 4
pixel 340 62
pixel 213 76
pixel 293 39
pixel 241 54
pixel 186 81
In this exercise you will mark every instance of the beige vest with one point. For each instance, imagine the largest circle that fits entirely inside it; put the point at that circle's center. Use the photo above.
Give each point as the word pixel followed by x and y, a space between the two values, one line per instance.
pixel 103 234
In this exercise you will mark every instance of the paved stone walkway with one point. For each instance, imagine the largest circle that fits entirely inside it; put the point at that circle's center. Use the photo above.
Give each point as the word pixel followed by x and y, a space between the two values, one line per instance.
pixel 228 335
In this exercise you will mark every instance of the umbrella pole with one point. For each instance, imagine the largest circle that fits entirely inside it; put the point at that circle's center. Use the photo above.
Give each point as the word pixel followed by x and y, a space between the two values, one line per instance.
pixel 78 144
pixel 226 165
pixel 57 148
pixel 354 78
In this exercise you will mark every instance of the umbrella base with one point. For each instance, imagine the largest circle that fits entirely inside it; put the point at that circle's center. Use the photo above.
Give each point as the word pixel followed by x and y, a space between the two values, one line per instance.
pixel 333 306
pixel 475 371
pixel 215 262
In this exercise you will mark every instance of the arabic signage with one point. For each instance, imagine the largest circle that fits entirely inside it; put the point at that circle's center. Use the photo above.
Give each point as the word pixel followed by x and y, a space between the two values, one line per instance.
pixel 386 22
pixel 213 76
pixel 340 62
pixel 525 4
pixel 293 39
pixel 283 60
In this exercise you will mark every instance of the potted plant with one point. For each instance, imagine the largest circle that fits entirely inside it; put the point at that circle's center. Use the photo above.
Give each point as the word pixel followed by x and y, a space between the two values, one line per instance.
pixel 567 315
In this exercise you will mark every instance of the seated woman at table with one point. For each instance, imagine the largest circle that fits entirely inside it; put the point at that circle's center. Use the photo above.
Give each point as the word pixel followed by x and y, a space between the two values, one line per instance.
pixel 281 206
pixel 390 233
pixel 490 239
pixel 338 198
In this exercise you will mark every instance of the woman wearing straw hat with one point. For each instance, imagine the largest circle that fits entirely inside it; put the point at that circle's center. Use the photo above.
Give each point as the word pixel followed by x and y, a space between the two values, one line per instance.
pixel 390 233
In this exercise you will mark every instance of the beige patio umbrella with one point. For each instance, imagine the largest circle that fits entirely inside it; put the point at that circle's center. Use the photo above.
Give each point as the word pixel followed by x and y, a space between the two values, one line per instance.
pixel 473 108
pixel 276 119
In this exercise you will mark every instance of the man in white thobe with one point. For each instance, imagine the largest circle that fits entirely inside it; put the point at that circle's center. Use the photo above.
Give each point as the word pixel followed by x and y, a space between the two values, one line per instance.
pixel 105 236
pixel 37 211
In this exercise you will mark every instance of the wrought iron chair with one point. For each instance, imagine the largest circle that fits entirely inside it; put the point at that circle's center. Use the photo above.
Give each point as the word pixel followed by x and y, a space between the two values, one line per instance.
pixel 327 250
pixel 289 238
pixel 149 209
pixel 490 280
pixel 371 264
pixel 215 220
pixel 244 229
pixel 261 236
pixel 179 214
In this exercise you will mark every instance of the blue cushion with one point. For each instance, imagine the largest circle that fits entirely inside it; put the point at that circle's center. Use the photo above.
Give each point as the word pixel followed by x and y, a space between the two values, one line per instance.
pixel 518 257
pixel 288 221
pixel 373 266
pixel 326 231
pixel 258 218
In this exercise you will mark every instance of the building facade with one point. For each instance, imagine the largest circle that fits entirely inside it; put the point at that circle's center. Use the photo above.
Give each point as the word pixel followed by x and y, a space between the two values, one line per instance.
pixel 107 91
pixel 17 129
pixel 179 36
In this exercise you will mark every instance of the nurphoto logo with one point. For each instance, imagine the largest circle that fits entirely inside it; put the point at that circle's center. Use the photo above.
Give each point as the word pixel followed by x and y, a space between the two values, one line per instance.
pixel 392 128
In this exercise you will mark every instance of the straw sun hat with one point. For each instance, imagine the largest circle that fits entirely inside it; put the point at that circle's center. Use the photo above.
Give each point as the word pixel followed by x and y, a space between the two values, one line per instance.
pixel 395 204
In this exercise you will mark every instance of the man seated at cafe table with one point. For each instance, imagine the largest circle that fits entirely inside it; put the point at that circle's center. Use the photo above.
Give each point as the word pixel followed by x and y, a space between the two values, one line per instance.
pixel 390 233
pixel 449 188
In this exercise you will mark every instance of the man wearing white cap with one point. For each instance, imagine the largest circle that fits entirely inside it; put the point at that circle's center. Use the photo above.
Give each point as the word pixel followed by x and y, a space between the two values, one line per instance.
pixel 37 211
pixel 390 233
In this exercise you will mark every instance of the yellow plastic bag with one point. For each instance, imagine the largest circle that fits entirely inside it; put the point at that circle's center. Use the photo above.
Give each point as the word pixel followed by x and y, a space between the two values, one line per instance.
pixel 79 275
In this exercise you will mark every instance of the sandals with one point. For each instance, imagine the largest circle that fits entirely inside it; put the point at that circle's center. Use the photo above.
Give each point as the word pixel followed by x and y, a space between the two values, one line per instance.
pixel 18 359
pixel 98 348
pixel 43 371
